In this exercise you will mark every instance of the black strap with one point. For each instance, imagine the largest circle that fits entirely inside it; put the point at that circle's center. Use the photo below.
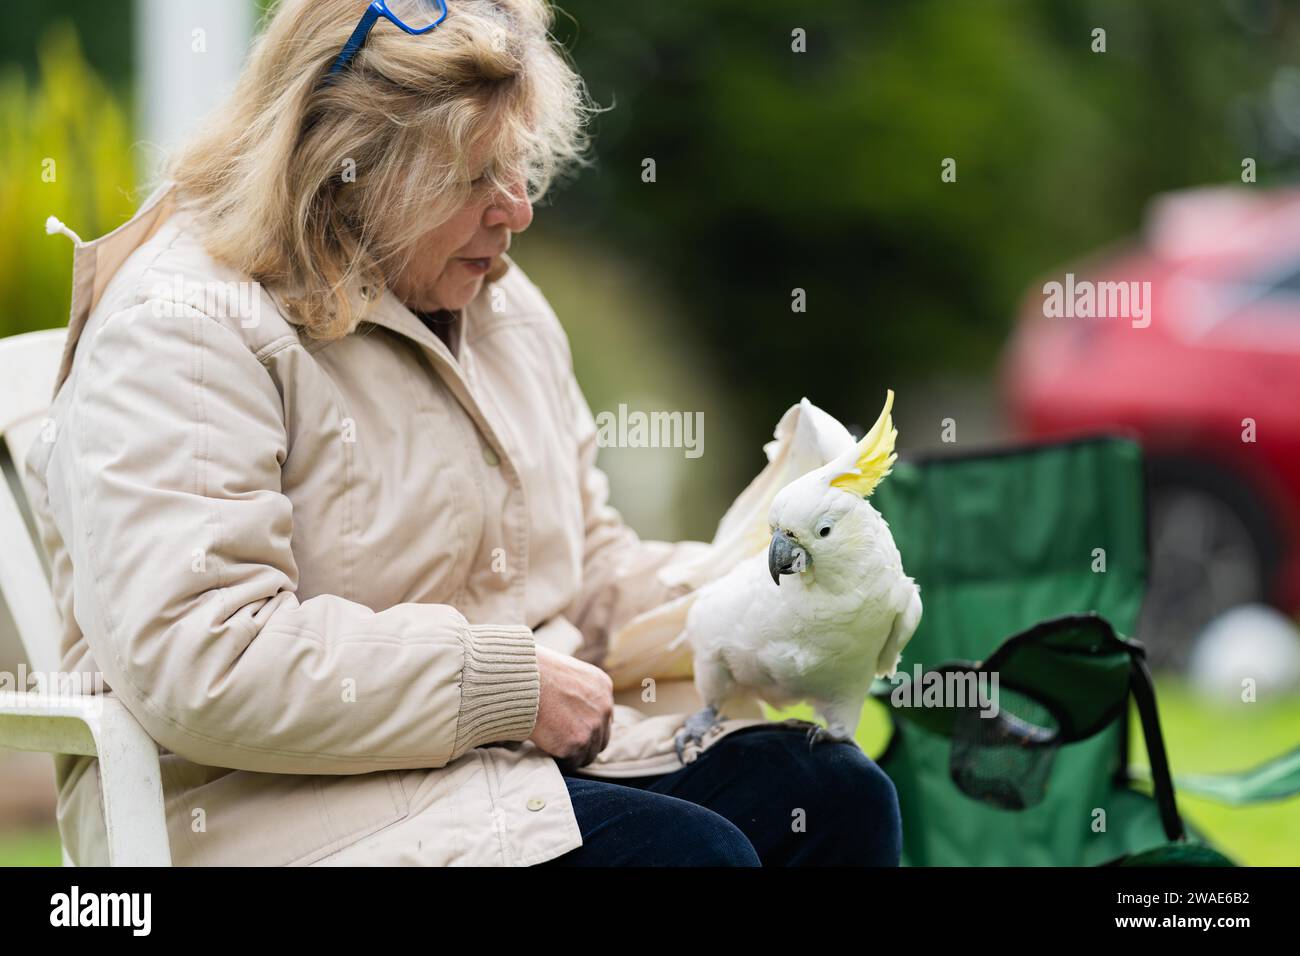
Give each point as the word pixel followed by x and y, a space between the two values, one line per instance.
pixel 1145 696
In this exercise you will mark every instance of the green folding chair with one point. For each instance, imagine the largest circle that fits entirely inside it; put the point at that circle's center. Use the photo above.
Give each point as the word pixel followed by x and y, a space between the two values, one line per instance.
pixel 1032 564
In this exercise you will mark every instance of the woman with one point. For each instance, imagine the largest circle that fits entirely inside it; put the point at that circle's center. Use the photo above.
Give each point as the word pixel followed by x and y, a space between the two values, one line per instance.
pixel 321 498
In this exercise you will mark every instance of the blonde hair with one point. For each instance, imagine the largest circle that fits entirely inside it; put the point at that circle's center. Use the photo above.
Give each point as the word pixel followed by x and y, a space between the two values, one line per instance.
pixel 267 175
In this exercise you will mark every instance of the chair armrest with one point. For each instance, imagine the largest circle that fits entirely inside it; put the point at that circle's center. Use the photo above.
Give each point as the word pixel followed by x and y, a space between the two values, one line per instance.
pixel 130 777
pixel 53 725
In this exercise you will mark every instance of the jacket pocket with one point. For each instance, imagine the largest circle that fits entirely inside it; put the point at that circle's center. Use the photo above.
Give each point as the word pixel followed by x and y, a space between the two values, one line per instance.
pixel 220 817
pixel 356 806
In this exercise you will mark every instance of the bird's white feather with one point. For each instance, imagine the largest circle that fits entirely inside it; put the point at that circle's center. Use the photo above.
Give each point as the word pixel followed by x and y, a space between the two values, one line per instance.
pixel 823 634
pixel 805 438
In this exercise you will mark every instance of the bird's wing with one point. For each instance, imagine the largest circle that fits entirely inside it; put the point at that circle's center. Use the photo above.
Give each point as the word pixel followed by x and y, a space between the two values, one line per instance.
pixel 805 438
pixel 905 625
pixel 651 645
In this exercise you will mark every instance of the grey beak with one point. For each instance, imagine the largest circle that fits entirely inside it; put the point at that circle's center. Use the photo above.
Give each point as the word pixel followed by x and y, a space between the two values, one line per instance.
pixel 782 554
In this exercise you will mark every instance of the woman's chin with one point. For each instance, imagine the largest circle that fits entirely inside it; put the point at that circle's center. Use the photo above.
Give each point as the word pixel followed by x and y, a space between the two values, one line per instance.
pixel 463 294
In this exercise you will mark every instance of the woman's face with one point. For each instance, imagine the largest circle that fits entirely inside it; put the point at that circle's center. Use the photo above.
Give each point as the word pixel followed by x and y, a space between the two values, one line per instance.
pixel 443 273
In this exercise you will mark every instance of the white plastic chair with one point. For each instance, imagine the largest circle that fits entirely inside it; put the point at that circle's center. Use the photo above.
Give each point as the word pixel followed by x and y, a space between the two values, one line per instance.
pixel 129 774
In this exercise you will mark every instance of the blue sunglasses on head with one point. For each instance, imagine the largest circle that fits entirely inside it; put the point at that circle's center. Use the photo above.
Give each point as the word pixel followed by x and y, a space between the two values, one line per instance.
pixel 416 17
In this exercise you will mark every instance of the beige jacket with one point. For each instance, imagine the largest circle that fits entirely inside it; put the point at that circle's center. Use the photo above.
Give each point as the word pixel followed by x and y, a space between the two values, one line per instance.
pixel 313 572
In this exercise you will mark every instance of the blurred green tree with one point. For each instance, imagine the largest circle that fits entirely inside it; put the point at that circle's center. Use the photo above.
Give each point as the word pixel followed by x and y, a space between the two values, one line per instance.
pixel 105 27
pixel 65 151
pixel 820 170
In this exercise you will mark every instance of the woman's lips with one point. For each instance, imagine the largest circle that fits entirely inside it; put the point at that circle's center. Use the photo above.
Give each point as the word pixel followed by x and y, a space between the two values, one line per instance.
pixel 477 266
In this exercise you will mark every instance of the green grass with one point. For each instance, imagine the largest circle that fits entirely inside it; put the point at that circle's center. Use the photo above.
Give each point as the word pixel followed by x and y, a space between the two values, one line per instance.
pixel 1204 738
pixel 1200 738
pixel 30 848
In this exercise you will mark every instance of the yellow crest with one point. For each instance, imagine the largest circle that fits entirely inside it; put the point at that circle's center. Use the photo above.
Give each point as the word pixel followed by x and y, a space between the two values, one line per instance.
pixel 873 455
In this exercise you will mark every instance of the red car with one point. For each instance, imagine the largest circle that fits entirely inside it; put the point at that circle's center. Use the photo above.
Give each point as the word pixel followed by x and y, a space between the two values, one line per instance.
pixel 1189 337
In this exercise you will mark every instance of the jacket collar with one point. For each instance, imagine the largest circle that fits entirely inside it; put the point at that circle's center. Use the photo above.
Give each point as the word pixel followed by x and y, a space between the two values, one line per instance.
pixel 382 308
pixel 95 262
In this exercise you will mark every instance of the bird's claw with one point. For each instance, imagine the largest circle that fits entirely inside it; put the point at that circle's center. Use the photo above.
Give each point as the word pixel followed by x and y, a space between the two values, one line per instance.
pixel 696 727
pixel 817 734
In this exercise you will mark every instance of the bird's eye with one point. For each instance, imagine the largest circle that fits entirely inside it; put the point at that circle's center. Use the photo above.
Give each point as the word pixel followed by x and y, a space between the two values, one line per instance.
pixel 824 530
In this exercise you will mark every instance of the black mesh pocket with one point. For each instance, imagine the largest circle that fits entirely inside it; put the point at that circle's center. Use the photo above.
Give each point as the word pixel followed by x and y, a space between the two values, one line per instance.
pixel 1005 759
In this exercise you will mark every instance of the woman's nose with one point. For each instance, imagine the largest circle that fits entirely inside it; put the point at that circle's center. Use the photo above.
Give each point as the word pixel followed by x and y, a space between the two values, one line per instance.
pixel 515 209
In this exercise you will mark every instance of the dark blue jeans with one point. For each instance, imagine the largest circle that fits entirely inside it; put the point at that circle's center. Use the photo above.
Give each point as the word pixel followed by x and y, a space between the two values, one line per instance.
pixel 758 797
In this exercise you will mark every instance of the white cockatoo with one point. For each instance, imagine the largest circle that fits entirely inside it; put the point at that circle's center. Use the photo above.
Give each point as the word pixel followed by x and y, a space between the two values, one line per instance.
pixel 808 602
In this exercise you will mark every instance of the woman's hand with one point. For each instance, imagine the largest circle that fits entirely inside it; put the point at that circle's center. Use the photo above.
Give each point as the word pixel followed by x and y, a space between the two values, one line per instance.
pixel 575 712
